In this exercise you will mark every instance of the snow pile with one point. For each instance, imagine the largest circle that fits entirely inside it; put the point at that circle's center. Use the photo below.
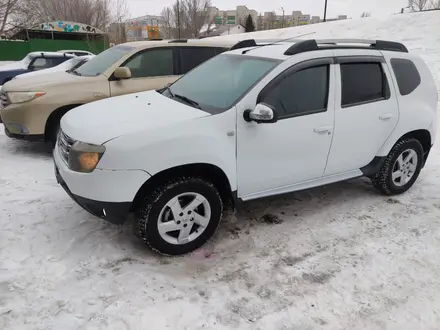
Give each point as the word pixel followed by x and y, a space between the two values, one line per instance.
pixel 338 257
pixel 418 31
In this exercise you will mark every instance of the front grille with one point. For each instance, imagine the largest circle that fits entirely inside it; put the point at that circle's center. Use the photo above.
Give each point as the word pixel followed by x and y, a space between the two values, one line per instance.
pixel 64 144
pixel 4 101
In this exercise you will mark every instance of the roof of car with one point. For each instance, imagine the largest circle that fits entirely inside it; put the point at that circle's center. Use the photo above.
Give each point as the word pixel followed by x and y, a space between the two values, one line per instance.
pixel 283 49
pixel 275 51
pixel 52 54
pixel 183 42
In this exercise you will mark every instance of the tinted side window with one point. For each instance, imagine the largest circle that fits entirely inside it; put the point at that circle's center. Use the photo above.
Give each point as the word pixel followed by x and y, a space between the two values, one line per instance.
pixel 45 63
pixel 363 82
pixel 219 50
pixel 192 57
pixel 407 76
pixel 151 63
pixel 303 92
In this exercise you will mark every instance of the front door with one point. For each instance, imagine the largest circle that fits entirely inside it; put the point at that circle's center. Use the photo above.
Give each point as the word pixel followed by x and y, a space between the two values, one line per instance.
pixel 366 113
pixel 150 69
pixel 274 156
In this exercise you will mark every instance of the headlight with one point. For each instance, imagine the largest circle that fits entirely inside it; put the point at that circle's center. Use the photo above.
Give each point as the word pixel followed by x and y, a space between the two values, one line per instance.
pixel 20 97
pixel 84 157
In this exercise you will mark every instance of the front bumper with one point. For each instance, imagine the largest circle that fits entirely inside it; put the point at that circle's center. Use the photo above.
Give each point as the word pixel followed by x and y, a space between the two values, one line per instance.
pixel 106 194
pixel 115 213
pixel 27 118
pixel 26 137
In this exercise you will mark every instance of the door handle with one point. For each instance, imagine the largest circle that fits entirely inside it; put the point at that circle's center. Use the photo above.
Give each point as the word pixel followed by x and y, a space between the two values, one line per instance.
pixel 323 129
pixel 386 116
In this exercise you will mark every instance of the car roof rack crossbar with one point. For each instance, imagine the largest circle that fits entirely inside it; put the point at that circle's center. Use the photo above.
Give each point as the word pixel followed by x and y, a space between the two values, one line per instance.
pixel 178 41
pixel 312 45
pixel 259 42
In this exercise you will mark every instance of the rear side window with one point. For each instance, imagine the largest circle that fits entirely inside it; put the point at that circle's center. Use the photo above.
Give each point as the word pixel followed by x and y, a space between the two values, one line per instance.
pixel 363 83
pixel 194 56
pixel 407 76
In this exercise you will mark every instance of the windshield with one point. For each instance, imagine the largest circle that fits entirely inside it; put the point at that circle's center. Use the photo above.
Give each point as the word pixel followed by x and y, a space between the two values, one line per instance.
pixel 219 83
pixel 68 64
pixel 97 65
pixel 27 60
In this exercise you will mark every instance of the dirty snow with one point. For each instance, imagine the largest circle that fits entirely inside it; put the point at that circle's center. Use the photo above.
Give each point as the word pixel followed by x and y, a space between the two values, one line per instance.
pixel 336 257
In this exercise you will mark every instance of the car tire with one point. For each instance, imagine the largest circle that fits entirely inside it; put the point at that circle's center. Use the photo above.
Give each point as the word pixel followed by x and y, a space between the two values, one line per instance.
pixel 179 216
pixel 53 135
pixel 401 168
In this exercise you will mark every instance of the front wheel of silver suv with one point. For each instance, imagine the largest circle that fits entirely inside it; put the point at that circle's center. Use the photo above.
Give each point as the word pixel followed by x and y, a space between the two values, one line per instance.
pixel 401 167
pixel 179 216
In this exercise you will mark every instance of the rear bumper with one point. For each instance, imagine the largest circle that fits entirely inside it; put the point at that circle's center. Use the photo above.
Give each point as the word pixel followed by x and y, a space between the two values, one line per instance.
pixel 112 212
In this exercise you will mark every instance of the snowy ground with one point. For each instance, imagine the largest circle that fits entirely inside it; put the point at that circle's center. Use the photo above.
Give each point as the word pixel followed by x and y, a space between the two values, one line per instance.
pixel 342 256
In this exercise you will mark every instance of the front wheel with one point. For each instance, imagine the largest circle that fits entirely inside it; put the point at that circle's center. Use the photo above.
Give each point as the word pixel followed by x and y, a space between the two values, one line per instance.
pixel 401 167
pixel 179 216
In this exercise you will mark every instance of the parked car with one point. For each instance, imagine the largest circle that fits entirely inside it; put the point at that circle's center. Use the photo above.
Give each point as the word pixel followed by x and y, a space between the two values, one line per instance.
pixel 250 123
pixel 70 64
pixel 76 52
pixel 32 107
pixel 32 62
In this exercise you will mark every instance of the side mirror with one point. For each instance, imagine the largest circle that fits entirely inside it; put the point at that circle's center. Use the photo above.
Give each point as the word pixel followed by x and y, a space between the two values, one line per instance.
pixel 31 67
pixel 262 113
pixel 122 73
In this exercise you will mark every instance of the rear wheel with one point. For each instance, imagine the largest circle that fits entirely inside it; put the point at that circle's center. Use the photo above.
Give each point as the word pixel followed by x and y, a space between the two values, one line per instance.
pixel 401 167
pixel 179 216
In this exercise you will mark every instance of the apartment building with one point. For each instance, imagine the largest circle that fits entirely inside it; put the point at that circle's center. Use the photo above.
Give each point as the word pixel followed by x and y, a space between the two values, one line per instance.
pixel 235 16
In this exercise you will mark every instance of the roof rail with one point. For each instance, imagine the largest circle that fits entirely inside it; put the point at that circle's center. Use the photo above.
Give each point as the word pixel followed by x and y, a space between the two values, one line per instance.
pixel 178 41
pixel 312 44
pixel 244 44
pixel 259 42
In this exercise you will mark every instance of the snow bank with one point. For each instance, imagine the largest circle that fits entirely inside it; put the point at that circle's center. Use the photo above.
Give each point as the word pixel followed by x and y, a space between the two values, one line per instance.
pixel 418 31
pixel 343 256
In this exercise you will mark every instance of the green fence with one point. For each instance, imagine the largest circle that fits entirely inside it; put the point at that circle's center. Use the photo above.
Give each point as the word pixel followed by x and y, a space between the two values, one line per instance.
pixel 16 50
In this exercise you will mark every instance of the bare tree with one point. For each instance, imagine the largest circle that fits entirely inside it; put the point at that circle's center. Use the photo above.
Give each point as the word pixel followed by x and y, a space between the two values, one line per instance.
pixel 185 18
pixel 435 4
pixel 195 15
pixel 168 22
pixel 97 13
pixel 7 7
pixel 418 5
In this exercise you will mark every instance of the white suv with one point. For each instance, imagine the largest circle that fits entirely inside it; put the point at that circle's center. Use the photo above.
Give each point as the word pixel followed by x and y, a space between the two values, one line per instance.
pixel 261 120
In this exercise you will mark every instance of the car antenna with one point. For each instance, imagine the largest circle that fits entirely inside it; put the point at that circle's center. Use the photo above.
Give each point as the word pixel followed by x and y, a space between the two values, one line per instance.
pixel 275 42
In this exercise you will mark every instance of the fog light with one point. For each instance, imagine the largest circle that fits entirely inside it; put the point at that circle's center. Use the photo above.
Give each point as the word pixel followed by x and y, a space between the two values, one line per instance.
pixel 16 128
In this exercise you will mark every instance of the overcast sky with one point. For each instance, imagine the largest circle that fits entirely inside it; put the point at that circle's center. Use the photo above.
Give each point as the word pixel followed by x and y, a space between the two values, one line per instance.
pixel 352 8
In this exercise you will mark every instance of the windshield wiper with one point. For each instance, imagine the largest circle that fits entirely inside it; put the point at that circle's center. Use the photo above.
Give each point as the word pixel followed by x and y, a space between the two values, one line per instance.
pixel 74 72
pixel 169 91
pixel 187 100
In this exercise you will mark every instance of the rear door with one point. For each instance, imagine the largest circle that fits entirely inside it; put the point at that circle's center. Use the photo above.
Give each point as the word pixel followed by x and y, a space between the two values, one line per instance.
pixel 366 112
pixel 190 57
pixel 152 68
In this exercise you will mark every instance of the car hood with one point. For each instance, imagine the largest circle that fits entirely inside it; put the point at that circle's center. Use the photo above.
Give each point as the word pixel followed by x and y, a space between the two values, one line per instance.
pixel 104 120
pixel 12 66
pixel 38 73
pixel 39 82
